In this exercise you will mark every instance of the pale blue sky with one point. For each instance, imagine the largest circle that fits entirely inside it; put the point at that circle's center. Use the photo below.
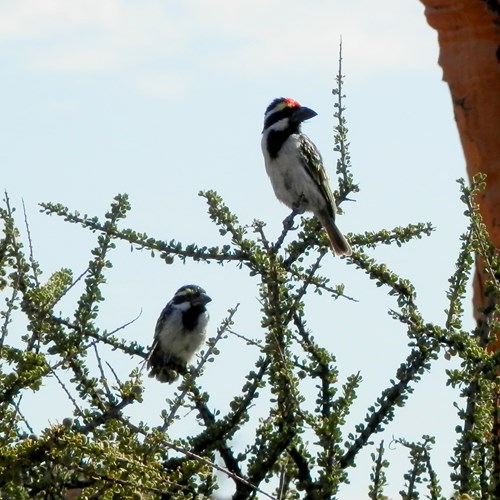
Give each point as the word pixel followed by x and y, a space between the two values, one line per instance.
pixel 163 99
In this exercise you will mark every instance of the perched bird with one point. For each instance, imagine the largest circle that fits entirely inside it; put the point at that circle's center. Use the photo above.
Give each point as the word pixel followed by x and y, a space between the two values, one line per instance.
pixel 294 165
pixel 180 330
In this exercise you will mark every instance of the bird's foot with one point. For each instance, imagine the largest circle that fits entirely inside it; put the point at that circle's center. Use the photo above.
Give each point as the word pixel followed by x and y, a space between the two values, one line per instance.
pixel 288 222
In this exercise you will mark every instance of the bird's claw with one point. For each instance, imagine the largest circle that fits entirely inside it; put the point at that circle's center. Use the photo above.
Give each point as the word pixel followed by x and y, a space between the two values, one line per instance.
pixel 288 222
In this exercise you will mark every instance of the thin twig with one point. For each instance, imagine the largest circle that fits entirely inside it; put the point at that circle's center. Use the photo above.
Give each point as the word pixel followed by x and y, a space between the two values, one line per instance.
pixel 103 376
pixel 24 419
pixel 33 263
pixel 223 328
pixel 307 281
pixel 287 227
pixel 248 340
pixel 118 381
pixel 8 314
pixel 70 397
pixel 190 454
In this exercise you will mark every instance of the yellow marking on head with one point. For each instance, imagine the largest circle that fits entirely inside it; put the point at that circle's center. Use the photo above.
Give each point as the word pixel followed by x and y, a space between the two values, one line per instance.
pixel 287 103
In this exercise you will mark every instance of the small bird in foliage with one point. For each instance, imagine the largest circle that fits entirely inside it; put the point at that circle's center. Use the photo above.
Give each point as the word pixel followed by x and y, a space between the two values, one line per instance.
pixel 295 167
pixel 180 331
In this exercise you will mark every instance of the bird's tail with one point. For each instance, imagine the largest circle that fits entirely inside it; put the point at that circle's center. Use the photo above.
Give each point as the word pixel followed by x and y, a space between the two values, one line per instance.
pixel 163 366
pixel 339 244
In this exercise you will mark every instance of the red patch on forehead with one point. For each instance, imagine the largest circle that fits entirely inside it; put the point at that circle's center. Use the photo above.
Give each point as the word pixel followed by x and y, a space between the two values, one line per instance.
pixel 292 103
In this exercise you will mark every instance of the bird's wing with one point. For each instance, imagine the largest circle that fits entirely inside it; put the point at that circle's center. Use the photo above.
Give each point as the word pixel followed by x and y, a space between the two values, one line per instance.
pixel 158 328
pixel 167 311
pixel 313 164
pixel 155 348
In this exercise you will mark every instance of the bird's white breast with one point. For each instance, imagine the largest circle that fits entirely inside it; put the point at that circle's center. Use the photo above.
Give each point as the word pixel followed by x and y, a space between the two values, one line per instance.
pixel 289 177
pixel 177 341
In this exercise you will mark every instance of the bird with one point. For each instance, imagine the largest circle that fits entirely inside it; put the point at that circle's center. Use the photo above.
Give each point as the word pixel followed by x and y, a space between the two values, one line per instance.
pixel 295 167
pixel 179 332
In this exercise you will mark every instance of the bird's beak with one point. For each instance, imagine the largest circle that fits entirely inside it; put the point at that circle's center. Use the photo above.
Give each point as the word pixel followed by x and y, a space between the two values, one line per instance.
pixel 302 113
pixel 201 300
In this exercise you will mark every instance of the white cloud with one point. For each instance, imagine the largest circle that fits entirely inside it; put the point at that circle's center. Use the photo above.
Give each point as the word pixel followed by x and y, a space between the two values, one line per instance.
pixel 251 38
pixel 304 36
pixel 88 35
pixel 163 84
pixel 74 60
pixel 29 19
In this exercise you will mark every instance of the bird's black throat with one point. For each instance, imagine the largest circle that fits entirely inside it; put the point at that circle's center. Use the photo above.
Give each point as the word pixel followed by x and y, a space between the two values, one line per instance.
pixel 276 138
pixel 191 317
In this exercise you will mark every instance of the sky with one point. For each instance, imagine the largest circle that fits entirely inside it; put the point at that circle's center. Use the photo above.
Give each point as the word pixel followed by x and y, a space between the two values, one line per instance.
pixel 162 99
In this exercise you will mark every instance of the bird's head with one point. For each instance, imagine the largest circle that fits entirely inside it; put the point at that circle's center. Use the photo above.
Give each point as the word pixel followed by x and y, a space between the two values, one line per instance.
pixel 190 295
pixel 284 112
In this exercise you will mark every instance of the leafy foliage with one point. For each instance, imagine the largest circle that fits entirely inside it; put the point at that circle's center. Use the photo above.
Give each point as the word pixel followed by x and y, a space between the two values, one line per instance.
pixel 99 452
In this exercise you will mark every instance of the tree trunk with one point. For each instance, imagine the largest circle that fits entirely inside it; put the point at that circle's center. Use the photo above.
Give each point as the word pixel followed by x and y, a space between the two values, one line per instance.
pixel 469 41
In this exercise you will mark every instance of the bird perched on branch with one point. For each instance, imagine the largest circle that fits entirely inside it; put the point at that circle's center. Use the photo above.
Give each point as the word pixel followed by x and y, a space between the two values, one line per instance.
pixel 180 330
pixel 295 167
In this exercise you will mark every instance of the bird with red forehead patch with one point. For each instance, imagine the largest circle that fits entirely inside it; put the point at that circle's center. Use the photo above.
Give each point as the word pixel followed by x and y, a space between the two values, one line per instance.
pixel 295 167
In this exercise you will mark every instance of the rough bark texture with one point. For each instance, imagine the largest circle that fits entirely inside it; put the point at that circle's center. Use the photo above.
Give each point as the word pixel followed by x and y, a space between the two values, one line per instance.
pixel 469 41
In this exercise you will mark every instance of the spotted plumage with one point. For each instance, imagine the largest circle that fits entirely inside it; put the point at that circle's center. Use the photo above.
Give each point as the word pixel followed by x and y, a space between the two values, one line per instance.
pixel 295 167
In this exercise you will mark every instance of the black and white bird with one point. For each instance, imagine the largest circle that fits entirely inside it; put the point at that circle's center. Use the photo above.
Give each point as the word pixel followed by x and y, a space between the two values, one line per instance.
pixel 295 167
pixel 180 331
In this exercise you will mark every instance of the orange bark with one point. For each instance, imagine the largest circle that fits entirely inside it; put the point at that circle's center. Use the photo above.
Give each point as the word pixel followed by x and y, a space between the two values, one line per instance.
pixel 469 42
